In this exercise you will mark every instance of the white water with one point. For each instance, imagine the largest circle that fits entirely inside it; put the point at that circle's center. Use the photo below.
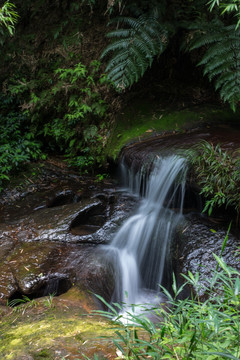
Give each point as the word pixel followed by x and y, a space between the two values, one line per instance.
pixel 140 250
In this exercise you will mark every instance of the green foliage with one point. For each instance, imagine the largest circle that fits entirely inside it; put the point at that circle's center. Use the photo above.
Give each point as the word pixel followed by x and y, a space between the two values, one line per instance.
pixel 77 126
pixel 22 304
pixel 186 329
pixel 48 301
pixel 227 7
pixel 8 16
pixel 218 174
pixel 138 40
pixel 78 131
pixel 221 58
pixel 17 144
pixel 23 300
pixel 134 47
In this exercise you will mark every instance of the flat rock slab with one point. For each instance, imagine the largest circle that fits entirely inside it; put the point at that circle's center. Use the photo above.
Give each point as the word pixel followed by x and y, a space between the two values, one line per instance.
pixel 50 236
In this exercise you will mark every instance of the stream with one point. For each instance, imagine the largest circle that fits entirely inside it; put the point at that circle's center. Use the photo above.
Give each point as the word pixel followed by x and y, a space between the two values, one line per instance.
pixel 141 247
pixel 62 230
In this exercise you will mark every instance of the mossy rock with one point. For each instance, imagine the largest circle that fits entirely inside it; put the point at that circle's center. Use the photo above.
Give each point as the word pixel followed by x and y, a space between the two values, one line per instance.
pixel 143 119
pixel 54 328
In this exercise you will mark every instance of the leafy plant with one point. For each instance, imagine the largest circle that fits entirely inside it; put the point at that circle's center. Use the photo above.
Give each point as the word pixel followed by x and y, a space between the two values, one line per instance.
pixel 218 174
pixel 186 329
pixel 221 57
pixel 143 37
pixel 8 16
pixel 229 7
pixel 78 131
pixel 134 47
pixel 77 127
pixel 25 303
pixel 17 144
pixel 48 301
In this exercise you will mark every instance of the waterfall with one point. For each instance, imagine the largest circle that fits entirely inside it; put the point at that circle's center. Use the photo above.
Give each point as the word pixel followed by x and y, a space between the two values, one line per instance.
pixel 140 250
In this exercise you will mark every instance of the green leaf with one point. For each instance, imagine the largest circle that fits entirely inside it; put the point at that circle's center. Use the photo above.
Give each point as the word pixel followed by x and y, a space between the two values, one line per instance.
pixel 237 287
pixel 134 47
pixel 222 264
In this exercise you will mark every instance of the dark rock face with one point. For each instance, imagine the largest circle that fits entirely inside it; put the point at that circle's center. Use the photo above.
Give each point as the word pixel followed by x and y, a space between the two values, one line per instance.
pixel 198 240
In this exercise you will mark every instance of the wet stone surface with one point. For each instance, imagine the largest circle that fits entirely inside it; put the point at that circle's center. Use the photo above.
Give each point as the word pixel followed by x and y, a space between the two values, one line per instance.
pixel 141 152
pixel 199 239
pixel 52 227
pixel 50 235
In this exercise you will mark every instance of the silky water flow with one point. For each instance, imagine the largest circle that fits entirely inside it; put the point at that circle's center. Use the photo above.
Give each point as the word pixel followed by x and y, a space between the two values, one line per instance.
pixel 140 250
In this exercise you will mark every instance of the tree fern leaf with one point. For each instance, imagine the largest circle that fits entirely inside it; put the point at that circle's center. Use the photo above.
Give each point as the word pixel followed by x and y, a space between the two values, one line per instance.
pixel 232 97
pixel 226 77
pixel 117 72
pixel 134 47
pixel 224 61
pixel 118 58
pixel 145 50
pixel 204 39
pixel 139 60
pixel 116 45
pixel 132 22
pixel 229 87
pixel 118 75
pixel 216 51
pixel 221 60
pixel 207 35
pixel 217 69
pixel 120 33
pixel 147 39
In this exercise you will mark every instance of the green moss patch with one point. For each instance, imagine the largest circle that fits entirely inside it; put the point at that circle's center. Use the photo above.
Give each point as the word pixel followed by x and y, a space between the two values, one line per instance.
pixel 143 119
pixel 55 330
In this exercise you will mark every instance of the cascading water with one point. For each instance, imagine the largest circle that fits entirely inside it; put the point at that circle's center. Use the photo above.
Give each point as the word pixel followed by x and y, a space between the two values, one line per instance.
pixel 140 249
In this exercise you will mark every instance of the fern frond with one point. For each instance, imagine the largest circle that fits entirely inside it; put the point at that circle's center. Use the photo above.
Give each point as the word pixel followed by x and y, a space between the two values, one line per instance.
pixel 134 47
pixel 213 70
pixel 117 45
pixel 221 60
pixel 205 34
pixel 217 51
pixel 119 33
pixel 132 22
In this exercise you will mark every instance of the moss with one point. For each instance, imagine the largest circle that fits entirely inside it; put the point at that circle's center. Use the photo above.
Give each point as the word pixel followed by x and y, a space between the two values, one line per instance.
pixel 43 354
pixel 143 119
pixel 52 333
pixel 28 259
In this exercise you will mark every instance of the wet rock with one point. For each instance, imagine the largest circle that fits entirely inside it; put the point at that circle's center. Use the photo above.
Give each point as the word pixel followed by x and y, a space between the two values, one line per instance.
pixel 48 239
pixel 8 283
pixel 39 269
pixel 56 223
pixel 62 198
pixel 199 240
pixel 7 243
pixel 90 221
pixel 143 152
